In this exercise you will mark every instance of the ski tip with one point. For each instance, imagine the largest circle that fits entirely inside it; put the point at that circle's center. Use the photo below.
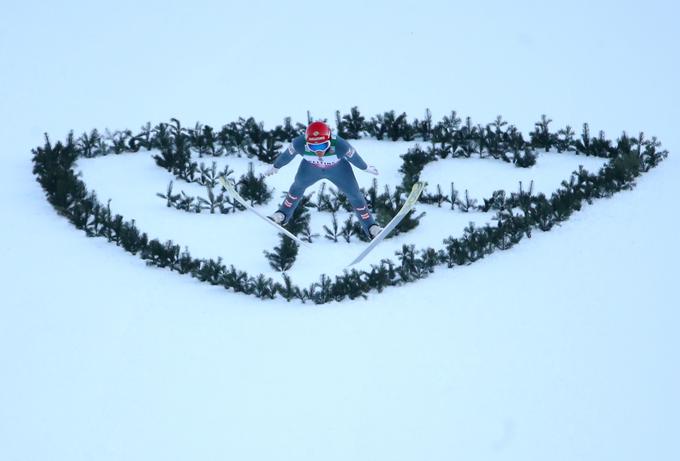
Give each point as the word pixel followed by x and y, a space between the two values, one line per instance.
pixel 304 244
pixel 225 182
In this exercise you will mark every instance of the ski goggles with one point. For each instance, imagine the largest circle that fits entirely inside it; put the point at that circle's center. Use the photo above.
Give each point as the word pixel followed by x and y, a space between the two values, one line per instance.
pixel 319 147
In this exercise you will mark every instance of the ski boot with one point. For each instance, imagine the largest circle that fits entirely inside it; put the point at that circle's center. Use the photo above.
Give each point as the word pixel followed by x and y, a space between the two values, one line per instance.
pixel 374 230
pixel 279 218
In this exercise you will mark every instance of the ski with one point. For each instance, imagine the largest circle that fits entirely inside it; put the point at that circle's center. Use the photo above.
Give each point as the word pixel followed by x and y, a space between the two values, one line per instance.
pixel 416 190
pixel 236 196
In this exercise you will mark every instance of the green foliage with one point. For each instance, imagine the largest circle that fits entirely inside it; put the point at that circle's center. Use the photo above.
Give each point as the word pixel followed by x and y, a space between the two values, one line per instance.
pixel 284 255
pixel 287 131
pixel 92 145
pixel 159 254
pixel 212 202
pixel 386 207
pixel 437 198
pixel 412 267
pixel 204 140
pixel 447 131
pixel 210 271
pixel 288 290
pixel 565 140
pixel 495 202
pixel 524 158
pixel 210 176
pixel 424 128
pixel 299 222
pixel 541 136
pixel 497 139
pixel 347 230
pixel 413 163
pixel 466 204
pixel 122 141
pixel 332 232
pixel 253 188
pixel 327 201
pixel 353 124
pixel 515 216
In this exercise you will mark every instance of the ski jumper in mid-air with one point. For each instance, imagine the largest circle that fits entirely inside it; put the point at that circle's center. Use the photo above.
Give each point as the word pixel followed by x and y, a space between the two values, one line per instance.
pixel 324 157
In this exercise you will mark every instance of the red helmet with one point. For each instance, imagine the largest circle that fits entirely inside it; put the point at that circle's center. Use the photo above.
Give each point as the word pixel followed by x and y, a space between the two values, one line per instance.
pixel 317 132
pixel 318 137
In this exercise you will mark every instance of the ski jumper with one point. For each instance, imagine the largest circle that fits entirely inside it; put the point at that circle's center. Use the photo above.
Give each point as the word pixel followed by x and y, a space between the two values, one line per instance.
pixel 335 166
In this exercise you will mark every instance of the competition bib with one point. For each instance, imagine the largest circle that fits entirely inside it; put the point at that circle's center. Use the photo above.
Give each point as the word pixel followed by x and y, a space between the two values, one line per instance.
pixel 329 159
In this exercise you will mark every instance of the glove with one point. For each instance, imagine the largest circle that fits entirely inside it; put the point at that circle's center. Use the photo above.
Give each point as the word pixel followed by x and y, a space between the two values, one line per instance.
pixel 272 170
pixel 371 169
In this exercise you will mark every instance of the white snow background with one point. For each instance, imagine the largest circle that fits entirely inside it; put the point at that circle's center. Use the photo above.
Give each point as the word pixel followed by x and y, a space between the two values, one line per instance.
pixel 565 347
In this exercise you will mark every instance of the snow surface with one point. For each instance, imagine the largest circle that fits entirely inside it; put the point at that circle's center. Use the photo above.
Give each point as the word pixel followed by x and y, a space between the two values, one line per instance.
pixel 131 183
pixel 564 347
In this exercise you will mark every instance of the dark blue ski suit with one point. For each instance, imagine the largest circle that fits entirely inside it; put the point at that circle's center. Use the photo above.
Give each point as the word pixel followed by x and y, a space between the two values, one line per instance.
pixel 334 166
